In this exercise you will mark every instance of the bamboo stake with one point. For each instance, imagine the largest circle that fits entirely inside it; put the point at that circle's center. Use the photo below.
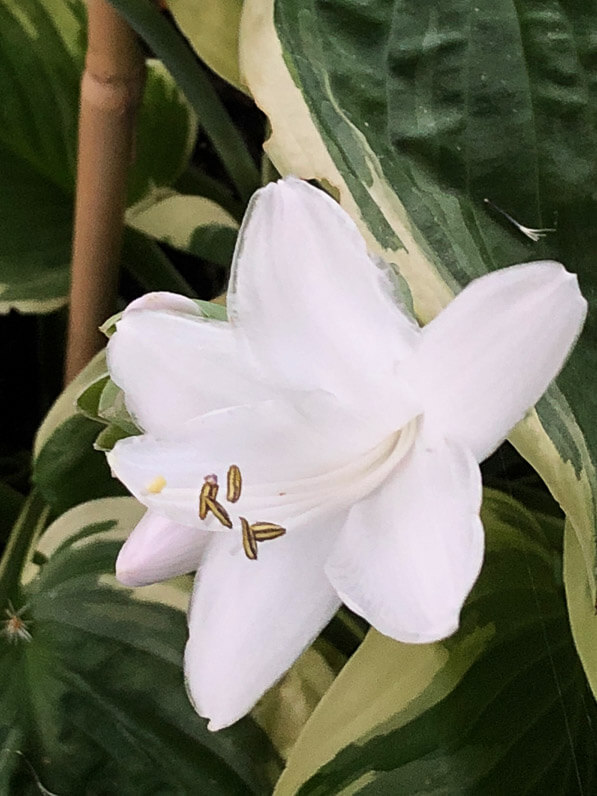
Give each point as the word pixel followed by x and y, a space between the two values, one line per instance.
pixel 111 90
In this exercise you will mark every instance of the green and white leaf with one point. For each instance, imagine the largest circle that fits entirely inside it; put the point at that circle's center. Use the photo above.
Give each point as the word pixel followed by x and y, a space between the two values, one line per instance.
pixel 501 707
pixel 42 48
pixel 95 698
pixel 194 224
pixel 412 114
pixel 67 468
pixel 211 26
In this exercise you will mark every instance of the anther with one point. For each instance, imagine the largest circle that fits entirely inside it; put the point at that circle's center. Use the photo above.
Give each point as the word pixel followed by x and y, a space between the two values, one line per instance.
pixel 264 531
pixel 234 483
pixel 249 542
pixel 218 511
pixel 208 490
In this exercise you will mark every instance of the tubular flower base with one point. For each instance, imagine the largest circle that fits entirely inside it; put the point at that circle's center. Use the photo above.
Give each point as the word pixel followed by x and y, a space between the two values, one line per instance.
pixel 320 447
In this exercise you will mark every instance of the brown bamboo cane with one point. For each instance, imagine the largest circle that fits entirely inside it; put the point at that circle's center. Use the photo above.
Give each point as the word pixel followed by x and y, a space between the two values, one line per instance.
pixel 111 89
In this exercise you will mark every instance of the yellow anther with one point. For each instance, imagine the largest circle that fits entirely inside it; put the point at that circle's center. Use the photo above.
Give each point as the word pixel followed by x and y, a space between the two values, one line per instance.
pixel 208 490
pixel 156 486
pixel 234 483
pixel 218 511
pixel 263 531
pixel 249 543
pixel 203 495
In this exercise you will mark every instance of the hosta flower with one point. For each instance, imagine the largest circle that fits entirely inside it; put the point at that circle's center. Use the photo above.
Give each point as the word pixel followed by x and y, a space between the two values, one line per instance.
pixel 320 447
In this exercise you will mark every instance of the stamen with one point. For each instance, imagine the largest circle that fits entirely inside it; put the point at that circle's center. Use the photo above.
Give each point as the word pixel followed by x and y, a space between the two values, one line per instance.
pixel 264 531
pixel 218 511
pixel 156 486
pixel 203 495
pixel 208 490
pixel 249 543
pixel 235 483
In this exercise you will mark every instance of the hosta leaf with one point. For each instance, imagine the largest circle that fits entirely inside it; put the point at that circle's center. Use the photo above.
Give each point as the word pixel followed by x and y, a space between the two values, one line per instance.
pixel 66 468
pixel 501 707
pixel 191 223
pixel 95 699
pixel 65 405
pixel 414 114
pixel 212 30
pixel 42 48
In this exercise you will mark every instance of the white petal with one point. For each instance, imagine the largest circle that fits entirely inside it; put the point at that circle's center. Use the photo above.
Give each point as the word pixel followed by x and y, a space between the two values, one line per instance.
pixel 317 312
pixel 410 552
pixel 249 620
pixel 158 549
pixel 487 358
pixel 275 445
pixel 174 365
pixel 163 300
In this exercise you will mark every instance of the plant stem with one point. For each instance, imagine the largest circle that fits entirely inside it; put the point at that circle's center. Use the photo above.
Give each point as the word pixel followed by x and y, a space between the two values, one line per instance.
pixel 111 90
pixel 31 521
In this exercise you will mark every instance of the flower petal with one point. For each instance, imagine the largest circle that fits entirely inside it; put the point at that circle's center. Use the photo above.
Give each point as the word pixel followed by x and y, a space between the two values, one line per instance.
pixel 491 354
pixel 158 549
pixel 285 454
pixel 249 620
pixel 317 312
pixel 410 552
pixel 175 365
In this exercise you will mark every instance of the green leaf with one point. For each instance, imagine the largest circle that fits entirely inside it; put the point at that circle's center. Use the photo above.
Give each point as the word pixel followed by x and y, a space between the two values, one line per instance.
pixel 165 134
pixel 95 699
pixel 65 405
pixel 191 223
pixel 42 47
pixel 11 502
pixel 112 409
pixel 414 113
pixel 148 265
pixel 88 401
pixel 68 470
pixel 502 706
pixel 170 46
pixel 103 402
pixel 212 30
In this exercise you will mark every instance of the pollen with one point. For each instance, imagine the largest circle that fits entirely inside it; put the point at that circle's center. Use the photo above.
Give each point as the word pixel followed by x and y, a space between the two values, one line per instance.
pixel 155 487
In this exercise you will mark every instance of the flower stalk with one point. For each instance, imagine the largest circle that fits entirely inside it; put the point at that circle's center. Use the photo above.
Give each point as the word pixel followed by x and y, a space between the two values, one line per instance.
pixel 111 90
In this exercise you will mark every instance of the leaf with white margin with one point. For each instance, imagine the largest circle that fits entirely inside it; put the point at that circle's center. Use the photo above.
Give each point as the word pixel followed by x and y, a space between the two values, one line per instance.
pixel 502 706
pixel 211 26
pixel 191 223
pixel 42 49
pixel 412 116
pixel 66 467
pixel 97 694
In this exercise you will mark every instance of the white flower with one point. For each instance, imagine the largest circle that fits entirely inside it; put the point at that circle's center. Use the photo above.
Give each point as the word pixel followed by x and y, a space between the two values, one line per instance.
pixel 321 410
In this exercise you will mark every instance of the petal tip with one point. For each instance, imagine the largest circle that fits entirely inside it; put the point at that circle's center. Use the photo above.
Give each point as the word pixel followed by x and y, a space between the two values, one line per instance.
pixel 126 573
